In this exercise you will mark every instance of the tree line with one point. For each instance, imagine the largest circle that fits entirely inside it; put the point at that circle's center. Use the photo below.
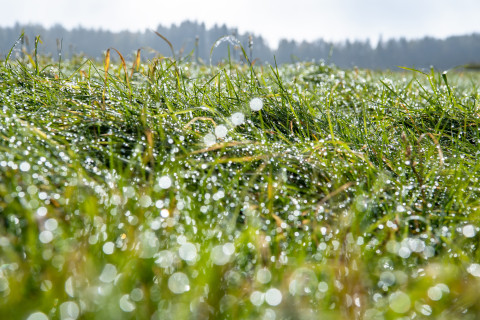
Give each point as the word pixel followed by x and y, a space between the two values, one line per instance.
pixel 193 40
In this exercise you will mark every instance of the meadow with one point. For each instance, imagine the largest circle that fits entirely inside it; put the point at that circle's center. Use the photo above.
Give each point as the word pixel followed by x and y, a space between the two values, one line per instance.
pixel 170 189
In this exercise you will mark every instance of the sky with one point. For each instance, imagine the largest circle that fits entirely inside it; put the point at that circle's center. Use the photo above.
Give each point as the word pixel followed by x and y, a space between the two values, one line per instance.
pixel 331 20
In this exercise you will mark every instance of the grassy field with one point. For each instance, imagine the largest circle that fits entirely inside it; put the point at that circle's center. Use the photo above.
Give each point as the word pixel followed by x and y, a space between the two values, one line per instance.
pixel 175 190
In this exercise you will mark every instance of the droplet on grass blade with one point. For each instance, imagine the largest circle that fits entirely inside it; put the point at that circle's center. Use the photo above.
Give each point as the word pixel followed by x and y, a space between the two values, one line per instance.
pixel 435 293
pixel 273 296
pixel 221 254
pixel 264 275
pixel 165 182
pixel 256 104
pixel 45 236
pixel 221 131
pixel 24 166
pixel 69 310
pixel 469 231
pixel 237 118
pixel 37 316
pixel 399 302
pixel 108 247
pixel 188 251
pixel 164 258
pixel 136 294
pixel 257 298
pixel 474 269
pixel 322 286
pixel 125 304
pixel 178 283
pixel 209 139
pixel 108 274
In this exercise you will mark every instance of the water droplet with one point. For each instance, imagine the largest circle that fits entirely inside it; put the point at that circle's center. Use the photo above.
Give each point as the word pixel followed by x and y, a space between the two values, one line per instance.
pixel 209 139
pixel 474 269
pixel 435 293
pixel 69 287
pixel 264 275
pixel 238 118
pixel 24 166
pixel 145 200
pixel 37 316
pixel 188 252
pixel 257 298
pixel 125 304
pixel 269 314
pixel 220 255
pixel 69 310
pixel 273 297
pixel 165 182
pixel 404 252
pixel 425 309
pixel 399 302
pixel 256 104
pixel 469 231
pixel 108 247
pixel 41 211
pixel 178 283
pixel 322 286
pixel 136 294
pixel 416 245
pixel 45 236
pixel 164 213
pixel 51 224
pixel 387 278
pixel 164 258
pixel 221 131
pixel 108 274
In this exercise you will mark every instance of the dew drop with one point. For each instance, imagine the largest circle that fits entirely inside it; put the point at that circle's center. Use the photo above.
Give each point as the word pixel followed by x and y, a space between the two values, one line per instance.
pixel 256 104
pixel 24 166
pixel 257 298
pixel 209 139
pixel 435 293
pixel 238 118
pixel 221 131
pixel 469 231
pixel 322 286
pixel 264 275
pixel 37 316
pixel 474 269
pixel 108 247
pixel 188 251
pixel 69 310
pixel 108 274
pixel 178 283
pixel 165 182
pixel 125 304
pixel 399 302
pixel 273 297
pixel 45 236
pixel 164 258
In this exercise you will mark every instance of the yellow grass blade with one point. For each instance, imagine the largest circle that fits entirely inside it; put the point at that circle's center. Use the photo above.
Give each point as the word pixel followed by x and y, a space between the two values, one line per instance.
pixel 136 63
pixel 107 64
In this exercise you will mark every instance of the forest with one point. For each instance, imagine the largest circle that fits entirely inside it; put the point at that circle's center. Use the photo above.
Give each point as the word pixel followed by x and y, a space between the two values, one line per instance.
pixel 193 40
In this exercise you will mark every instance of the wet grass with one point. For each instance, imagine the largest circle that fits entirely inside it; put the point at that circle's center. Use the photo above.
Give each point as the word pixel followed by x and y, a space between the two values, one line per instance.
pixel 163 192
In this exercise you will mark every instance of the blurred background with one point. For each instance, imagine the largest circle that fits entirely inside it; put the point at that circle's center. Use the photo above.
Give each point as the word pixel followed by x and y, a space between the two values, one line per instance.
pixel 370 34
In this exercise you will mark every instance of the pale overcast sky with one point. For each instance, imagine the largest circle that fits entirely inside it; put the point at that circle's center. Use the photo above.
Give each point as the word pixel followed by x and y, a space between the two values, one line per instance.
pixel 273 19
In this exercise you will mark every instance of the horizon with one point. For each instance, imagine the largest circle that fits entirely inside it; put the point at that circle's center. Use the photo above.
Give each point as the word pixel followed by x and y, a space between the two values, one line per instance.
pixel 273 47
pixel 332 21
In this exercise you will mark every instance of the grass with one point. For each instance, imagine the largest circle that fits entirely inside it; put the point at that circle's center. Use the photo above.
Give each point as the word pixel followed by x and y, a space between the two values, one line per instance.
pixel 352 194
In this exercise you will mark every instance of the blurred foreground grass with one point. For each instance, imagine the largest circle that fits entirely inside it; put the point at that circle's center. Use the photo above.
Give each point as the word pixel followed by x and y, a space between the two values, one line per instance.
pixel 181 191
